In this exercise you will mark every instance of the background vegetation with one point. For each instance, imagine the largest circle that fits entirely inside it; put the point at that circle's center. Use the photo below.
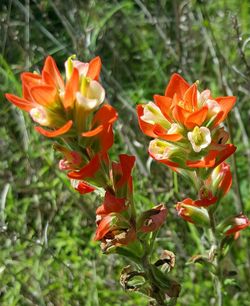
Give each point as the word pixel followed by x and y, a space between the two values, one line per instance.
pixel 48 256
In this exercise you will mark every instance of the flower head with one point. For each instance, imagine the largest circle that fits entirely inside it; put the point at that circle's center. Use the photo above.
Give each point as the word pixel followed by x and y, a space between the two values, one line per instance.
pixel 187 121
pixel 62 105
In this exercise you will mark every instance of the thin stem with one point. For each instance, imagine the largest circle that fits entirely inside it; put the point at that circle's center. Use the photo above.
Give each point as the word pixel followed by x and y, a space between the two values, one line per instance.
pixel 215 258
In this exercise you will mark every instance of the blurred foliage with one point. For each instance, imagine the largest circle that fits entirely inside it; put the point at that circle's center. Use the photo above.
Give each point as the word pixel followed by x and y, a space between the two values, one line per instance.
pixel 48 256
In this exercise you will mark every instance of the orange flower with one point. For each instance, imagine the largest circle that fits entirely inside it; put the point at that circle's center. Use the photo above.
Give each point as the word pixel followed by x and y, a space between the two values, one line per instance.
pixel 182 108
pixel 50 101
pixel 184 104
pixel 184 124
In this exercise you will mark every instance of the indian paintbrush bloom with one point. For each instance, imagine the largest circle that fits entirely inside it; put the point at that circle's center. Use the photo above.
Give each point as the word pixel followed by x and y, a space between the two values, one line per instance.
pixel 73 109
pixel 65 107
pixel 184 123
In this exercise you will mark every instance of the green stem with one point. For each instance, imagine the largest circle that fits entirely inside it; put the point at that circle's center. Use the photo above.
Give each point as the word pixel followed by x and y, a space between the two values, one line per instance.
pixel 156 292
pixel 216 256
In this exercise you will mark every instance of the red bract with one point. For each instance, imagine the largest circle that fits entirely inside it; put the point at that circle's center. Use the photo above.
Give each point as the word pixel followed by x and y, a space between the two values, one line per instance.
pixel 237 224
pixel 114 230
pixel 111 204
pixel 100 137
pixel 82 187
pixel 121 175
pixel 217 155
pixel 93 171
pixel 151 220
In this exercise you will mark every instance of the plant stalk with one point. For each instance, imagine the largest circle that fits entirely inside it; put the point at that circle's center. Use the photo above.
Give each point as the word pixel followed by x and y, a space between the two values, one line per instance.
pixel 215 259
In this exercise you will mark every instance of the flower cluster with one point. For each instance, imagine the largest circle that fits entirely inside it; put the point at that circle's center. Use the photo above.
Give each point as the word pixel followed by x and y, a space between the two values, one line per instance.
pixel 74 112
pixel 185 126
pixel 69 108
pixel 188 137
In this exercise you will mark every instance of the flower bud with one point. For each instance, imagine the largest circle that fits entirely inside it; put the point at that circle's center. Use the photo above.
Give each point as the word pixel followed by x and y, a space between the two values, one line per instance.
pixel 153 115
pixel 40 115
pixel 90 96
pixel 167 153
pixel 233 225
pixel 221 180
pixel 200 138
pixel 213 109
pixel 69 66
pixel 191 213
pixel 203 97
pixel 82 187
pixel 72 159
